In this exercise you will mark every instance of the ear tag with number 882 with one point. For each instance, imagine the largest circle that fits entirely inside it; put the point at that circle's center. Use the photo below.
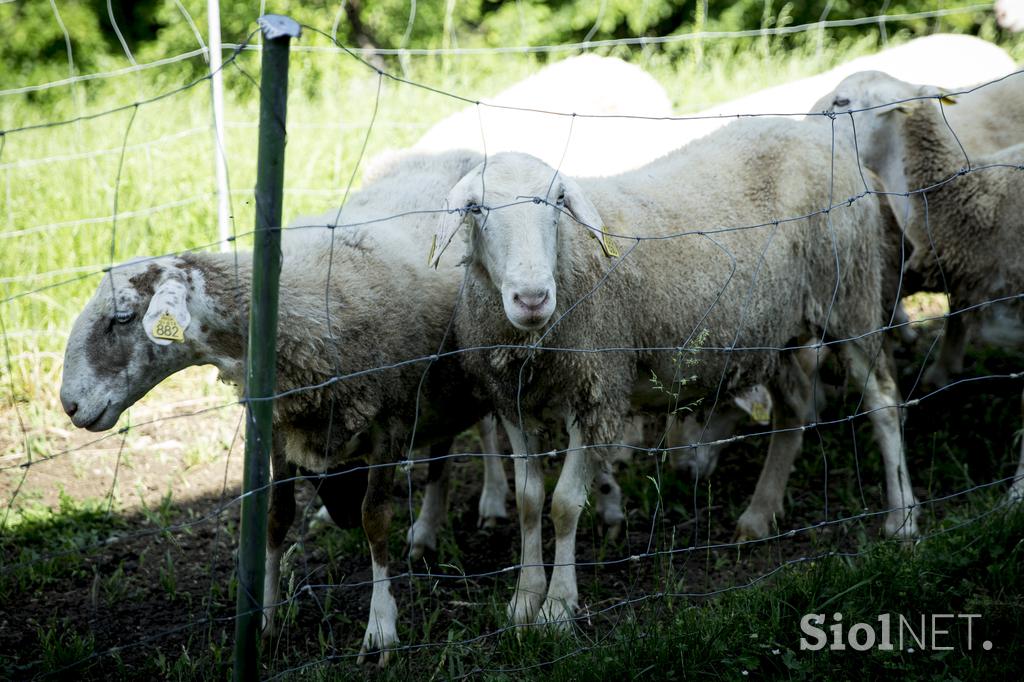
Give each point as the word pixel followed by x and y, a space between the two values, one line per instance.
pixel 167 327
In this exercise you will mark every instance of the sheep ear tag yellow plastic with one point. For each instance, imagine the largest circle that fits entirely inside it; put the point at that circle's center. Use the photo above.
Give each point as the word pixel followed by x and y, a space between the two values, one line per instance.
pixel 760 413
pixel 433 249
pixel 607 245
pixel 167 327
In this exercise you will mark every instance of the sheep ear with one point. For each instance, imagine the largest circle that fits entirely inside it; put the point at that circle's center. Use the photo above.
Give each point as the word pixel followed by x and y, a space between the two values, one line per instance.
pixel 757 402
pixel 586 214
pixel 448 224
pixel 167 317
pixel 903 107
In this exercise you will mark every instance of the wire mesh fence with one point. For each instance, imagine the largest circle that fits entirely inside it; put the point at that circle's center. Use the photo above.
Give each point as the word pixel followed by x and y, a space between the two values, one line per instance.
pixel 351 424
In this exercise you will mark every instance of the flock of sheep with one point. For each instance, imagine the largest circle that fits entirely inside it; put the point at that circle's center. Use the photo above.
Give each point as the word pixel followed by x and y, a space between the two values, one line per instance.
pixel 724 260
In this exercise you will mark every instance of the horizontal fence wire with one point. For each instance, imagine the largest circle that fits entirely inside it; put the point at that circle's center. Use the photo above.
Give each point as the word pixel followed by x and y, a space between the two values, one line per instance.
pixel 565 47
pixel 641 41
pixel 307 587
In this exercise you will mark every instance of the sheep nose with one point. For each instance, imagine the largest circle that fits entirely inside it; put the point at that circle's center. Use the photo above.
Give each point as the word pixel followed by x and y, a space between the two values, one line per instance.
pixel 70 407
pixel 531 300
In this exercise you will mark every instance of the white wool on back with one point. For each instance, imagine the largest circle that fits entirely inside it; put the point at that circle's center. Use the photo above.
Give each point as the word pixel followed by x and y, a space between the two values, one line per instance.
pixel 584 85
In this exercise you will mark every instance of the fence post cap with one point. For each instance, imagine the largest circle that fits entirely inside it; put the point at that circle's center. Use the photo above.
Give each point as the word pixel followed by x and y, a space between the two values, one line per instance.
pixel 278 26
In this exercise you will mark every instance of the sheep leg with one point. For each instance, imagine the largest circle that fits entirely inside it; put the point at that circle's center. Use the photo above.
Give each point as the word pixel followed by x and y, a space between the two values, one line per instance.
pixel 1017 488
pixel 530 502
pixel 492 508
pixel 570 495
pixel 950 361
pixel 422 535
pixel 881 402
pixel 765 506
pixel 381 628
pixel 280 517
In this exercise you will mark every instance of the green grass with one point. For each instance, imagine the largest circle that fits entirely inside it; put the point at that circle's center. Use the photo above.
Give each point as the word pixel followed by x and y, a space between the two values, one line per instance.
pixel 755 631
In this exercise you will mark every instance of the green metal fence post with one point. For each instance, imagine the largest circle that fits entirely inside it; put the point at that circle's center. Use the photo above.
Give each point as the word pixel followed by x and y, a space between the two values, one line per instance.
pixel 262 353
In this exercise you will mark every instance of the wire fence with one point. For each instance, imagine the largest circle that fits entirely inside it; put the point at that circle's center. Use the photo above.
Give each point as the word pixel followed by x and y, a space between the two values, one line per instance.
pixel 326 593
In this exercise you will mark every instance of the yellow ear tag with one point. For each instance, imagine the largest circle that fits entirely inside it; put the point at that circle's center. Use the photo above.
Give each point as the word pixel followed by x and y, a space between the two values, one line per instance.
pixel 948 100
pixel 433 248
pixel 167 327
pixel 759 413
pixel 607 245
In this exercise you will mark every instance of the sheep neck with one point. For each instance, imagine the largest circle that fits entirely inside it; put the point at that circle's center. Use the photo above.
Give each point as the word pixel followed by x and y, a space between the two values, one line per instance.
pixel 222 301
pixel 932 156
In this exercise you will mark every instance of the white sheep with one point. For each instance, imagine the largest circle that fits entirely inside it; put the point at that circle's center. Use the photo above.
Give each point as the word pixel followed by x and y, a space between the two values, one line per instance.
pixel 587 84
pixel 594 146
pixel 975 218
pixel 385 307
pixel 984 120
pixel 949 60
pixel 537 281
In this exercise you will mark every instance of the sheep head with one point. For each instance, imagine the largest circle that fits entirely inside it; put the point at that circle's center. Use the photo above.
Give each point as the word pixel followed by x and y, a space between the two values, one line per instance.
pixel 873 96
pixel 135 331
pixel 515 206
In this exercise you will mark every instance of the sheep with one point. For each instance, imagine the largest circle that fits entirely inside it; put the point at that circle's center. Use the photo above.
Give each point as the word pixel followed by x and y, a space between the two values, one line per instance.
pixel 384 308
pixel 984 120
pixel 602 85
pixel 971 233
pixel 535 281
pixel 1010 15
pixel 586 84
pixel 951 61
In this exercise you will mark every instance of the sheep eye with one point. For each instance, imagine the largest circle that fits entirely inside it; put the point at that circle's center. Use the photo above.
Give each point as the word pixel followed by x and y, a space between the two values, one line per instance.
pixel 561 198
pixel 124 316
pixel 473 208
pixel 841 102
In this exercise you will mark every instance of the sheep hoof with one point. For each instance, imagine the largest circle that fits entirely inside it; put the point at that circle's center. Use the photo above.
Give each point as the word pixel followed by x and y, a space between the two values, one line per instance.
pixel 902 525
pixel 491 510
pixel 557 614
pixel 366 657
pixel 488 522
pixel 379 644
pixel 754 525
pixel 522 607
pixel 420 540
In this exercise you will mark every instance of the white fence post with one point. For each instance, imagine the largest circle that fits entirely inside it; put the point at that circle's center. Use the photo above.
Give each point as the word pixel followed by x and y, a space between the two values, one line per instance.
pixel 219 142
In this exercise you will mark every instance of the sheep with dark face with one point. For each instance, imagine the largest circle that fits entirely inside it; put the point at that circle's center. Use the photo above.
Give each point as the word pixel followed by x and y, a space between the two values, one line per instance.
pixel 379 306
pixel 536 281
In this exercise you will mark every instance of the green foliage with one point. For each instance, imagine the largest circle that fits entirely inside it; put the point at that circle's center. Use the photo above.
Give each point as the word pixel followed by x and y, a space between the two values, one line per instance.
pixel 35 49
pixel 64 650
pixel 755 633
pixel 42 546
